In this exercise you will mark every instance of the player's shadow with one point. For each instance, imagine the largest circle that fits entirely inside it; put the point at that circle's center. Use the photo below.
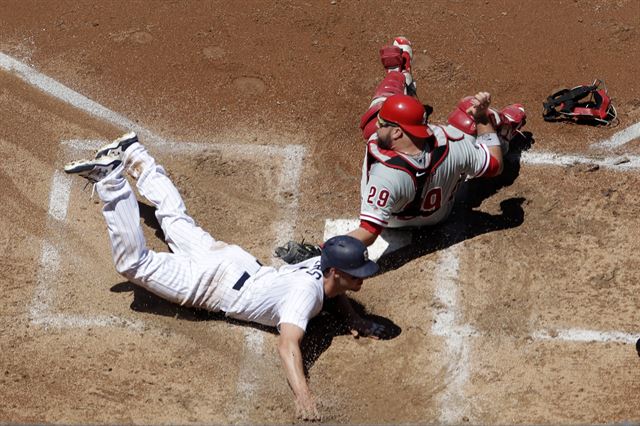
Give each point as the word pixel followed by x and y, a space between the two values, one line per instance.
pixel 465 222
pixel 474 191
pixel 319 335
pixel 322 329
pixel 148 215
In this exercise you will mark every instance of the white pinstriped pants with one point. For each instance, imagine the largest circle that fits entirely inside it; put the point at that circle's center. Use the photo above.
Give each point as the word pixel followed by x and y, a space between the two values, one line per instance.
pixel 199 272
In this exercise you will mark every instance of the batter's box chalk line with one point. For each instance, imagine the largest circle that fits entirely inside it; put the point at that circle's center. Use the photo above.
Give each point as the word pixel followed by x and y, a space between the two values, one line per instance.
pixel 447 280
pixel 43 311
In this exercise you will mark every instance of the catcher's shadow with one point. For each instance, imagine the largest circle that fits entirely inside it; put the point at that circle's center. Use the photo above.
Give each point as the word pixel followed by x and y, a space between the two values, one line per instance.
pixel 474 191
pixel 462 225
pixel 465 222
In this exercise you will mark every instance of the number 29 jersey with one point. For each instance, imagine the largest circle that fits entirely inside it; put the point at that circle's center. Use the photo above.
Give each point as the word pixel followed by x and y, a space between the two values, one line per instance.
pixel 399 190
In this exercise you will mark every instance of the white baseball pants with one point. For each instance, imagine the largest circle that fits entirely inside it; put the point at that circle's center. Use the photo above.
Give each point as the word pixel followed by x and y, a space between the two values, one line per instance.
pixel 200 271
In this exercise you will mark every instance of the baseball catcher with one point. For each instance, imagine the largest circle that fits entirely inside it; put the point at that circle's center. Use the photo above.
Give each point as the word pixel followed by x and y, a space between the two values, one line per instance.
pixel 412 169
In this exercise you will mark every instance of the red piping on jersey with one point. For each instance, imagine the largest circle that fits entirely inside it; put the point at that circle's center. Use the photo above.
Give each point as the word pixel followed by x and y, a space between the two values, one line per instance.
pixel 487 160
pixel 434 166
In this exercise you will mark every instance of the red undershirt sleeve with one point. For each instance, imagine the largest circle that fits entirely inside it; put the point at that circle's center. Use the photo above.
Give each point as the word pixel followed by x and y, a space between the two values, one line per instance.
pixel 371 227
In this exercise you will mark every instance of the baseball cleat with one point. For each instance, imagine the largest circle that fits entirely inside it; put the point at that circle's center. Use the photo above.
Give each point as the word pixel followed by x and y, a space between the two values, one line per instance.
pixel 407 52
pixel 93 170
pixel 397 57
pixel 118 146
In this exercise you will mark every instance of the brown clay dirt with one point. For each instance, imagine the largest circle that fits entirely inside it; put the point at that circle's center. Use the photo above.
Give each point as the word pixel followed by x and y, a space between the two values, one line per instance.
pixel 552 248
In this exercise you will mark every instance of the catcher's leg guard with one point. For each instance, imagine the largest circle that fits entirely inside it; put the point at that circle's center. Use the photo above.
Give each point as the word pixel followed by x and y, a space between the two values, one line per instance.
pixel 394 83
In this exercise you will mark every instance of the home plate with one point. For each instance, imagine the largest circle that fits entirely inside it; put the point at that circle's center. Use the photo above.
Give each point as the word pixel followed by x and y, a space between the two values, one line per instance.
pixel 389 241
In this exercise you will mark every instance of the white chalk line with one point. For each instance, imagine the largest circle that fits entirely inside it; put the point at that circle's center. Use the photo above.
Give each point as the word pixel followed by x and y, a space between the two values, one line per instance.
pixel 58 203
pixel 48 267
pixel 290 153
pixel 453 403
pixel 587 336
pixel 287 195
pixel 619 163
pixel 59 196
pixel 71 97
pixel 622 137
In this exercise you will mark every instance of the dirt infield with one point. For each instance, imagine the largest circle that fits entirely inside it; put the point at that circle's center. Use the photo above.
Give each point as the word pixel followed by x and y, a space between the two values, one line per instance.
pixel 523 308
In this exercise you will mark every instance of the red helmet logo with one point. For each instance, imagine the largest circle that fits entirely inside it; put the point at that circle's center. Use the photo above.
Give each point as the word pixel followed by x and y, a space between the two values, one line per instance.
pixel 407 113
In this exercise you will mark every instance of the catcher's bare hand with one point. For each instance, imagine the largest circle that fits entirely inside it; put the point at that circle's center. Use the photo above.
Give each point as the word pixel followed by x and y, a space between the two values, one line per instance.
pixel 480 106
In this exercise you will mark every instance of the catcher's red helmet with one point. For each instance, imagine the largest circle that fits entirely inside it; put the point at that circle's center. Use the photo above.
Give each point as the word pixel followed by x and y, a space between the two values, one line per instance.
pixel 405 112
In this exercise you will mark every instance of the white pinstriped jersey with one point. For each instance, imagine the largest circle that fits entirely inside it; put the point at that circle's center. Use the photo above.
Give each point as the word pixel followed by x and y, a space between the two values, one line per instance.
pixel 200 272
pixel 386 191
pixel 292 294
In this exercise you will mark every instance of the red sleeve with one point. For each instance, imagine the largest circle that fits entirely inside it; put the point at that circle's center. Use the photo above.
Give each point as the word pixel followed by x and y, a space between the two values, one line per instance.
pixel 493 168
pixel 371 227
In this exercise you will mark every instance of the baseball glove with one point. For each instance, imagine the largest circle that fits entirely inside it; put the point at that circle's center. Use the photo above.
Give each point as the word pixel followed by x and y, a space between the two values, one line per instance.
pixel 294 252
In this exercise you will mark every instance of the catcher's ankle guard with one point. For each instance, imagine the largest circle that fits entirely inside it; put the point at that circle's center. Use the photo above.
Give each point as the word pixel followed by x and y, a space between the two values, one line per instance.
pixel 582 103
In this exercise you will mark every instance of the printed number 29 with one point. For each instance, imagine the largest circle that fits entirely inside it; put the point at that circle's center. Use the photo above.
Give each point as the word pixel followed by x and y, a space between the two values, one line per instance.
pixel 383 197
pixel 432 200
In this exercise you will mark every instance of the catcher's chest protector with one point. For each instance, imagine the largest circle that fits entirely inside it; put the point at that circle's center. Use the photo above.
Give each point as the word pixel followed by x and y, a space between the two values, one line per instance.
pixel 419 175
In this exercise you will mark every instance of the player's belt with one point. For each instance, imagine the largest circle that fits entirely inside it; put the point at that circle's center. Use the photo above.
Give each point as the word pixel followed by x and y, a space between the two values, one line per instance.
pixel 238 285
pixel 245 276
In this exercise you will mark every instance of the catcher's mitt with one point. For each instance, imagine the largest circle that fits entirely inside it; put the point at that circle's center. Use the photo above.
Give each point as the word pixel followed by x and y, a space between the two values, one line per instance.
pixel 294 252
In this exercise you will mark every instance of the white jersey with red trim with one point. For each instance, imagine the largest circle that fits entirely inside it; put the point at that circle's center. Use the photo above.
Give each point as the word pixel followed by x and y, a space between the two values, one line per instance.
pixel 388 192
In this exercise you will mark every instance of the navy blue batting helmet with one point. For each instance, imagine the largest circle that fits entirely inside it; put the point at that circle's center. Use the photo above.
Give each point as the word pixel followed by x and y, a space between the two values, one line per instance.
pixel 349 255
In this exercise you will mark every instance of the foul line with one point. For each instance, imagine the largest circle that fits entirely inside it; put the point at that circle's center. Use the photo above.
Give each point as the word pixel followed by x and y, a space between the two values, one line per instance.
pixel 49 262
pixel 622 137
pixel 619 163
pixel 71 97
pixel 581 335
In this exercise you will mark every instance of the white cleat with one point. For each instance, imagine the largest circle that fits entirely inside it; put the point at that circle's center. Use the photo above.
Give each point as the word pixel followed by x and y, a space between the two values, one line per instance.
pixel 118 146
pixel 93 170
